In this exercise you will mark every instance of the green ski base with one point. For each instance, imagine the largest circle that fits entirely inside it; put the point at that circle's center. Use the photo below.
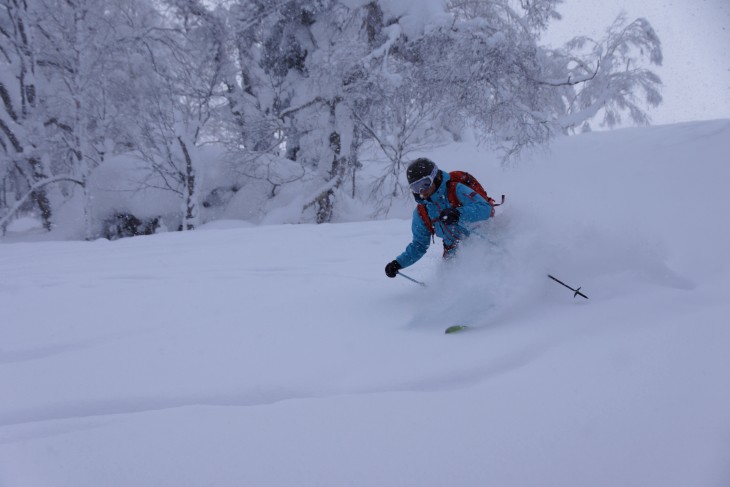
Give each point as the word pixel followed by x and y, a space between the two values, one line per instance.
pixel 456 329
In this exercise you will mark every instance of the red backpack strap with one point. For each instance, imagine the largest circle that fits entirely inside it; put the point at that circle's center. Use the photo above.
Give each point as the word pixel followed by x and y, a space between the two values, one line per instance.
pixel 470 181
pixel 451 194
pixel 423 213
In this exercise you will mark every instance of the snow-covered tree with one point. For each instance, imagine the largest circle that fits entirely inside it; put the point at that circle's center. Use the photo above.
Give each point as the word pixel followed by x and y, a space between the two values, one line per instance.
pixel 611 78
pixel 75 48
pixel 407 75
pixel 74 43
pixel 295 89
pixel 287 99
pixel 24 170
pixel 179 94
pixel 488 66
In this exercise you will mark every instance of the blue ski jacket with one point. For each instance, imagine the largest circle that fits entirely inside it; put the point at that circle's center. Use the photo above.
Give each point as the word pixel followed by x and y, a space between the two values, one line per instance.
pixel 474 208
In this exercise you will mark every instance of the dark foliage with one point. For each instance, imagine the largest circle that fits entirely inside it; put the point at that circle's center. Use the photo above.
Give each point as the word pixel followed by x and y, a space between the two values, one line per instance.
pixel 121 225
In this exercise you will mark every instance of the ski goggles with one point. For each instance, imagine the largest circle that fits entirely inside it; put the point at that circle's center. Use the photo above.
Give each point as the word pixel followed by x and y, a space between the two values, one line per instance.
pixel 421 185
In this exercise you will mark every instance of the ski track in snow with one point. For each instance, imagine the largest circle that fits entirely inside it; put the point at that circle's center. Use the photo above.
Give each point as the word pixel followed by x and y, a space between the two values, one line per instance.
pixel 529 350
pixel 31 354
pixel 261 397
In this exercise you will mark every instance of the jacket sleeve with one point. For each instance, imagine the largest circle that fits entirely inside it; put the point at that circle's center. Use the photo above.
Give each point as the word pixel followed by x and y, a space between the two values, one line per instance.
pixel 419 245
pixel 474 207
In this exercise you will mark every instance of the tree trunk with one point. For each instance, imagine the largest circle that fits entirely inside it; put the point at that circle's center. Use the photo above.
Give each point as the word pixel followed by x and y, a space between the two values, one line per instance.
pixel 325 204
pixel 191 206
pixel 39 196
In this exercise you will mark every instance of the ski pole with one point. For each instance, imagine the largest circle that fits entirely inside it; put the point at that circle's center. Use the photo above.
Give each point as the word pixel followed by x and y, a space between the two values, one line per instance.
pixel 577 291
pixel 422 284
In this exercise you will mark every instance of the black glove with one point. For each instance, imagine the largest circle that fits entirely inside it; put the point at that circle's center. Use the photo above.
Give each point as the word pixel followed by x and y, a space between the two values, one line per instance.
pixel 449 216
pixel 392 268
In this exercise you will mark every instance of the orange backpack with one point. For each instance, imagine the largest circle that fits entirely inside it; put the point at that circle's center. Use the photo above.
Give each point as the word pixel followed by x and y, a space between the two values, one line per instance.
pixel 467 179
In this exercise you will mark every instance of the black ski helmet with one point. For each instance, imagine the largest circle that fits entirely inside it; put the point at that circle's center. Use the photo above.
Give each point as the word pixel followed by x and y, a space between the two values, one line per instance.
pixel 420 168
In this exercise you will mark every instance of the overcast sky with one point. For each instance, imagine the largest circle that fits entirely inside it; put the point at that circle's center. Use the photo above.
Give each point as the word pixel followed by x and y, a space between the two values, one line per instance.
pixel 695 36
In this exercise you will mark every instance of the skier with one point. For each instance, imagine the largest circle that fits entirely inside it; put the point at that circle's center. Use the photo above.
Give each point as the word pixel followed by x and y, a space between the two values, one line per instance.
pixel 437 214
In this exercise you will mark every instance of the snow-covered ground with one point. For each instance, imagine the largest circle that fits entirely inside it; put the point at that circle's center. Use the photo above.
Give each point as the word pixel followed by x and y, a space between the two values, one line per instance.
pixel 282 356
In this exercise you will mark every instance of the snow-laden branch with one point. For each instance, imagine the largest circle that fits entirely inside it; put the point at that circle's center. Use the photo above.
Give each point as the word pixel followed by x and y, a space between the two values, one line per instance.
pixel 393 32
pixel 572 82
pixel 322 192
pixel 4 128
pixel 319 99
pixel 18 204
pixel 7 102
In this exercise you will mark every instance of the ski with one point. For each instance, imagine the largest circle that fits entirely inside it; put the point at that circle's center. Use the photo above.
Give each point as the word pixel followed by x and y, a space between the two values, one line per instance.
pixel 456 329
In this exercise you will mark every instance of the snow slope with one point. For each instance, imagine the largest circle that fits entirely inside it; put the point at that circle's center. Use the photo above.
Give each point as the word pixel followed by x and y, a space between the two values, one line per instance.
pixel 282 355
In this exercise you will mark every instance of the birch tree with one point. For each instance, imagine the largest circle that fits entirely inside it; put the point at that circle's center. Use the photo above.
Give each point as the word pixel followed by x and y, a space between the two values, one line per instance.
pixel 24 171
pixel 180 95
pixel 78 47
